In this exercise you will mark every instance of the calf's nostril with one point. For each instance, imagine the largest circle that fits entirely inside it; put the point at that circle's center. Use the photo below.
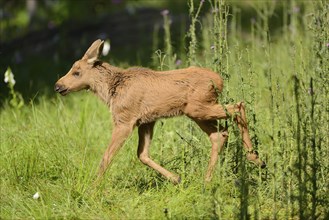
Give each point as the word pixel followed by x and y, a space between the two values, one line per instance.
pixel 57 87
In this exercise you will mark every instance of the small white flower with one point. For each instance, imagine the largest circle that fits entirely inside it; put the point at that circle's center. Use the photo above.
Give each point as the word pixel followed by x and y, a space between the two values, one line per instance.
pixel 106 48
pixel 36 195
pixel 9 77
pixel 164 12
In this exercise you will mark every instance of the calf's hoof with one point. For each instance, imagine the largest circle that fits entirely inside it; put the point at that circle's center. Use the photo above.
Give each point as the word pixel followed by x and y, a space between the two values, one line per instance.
pixel 253 157
pixel 263 165
pixel 175 179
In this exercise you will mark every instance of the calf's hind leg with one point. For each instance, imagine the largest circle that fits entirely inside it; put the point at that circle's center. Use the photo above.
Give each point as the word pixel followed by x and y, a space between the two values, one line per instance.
pixel 241 119
pixel 217 111
pixel 217 138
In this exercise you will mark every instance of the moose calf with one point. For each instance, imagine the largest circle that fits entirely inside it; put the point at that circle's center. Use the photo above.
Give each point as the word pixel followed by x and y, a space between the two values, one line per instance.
pixel 140 96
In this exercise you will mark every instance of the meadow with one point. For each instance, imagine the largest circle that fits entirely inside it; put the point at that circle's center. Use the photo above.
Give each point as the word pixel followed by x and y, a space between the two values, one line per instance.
pixel 54 145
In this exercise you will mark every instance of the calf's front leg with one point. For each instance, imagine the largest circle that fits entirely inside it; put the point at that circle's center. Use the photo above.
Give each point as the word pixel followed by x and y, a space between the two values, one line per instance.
pixel 145 133
pixel 119 135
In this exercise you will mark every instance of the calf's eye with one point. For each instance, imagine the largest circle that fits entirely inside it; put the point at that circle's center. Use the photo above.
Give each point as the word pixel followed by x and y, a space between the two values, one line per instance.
pixel 76 74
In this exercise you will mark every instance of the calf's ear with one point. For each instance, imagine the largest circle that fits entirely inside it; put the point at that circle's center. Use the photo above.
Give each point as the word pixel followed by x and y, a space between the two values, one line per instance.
pixel 94 52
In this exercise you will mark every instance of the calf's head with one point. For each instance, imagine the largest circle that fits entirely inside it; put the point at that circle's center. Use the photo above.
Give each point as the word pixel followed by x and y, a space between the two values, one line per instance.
pixel 80 75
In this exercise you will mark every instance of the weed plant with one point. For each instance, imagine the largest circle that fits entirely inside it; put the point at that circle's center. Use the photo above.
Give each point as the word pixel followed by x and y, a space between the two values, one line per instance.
pixel 54 147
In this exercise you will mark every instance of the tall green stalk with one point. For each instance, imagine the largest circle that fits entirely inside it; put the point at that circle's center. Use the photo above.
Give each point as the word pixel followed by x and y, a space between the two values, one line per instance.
pixel 193 43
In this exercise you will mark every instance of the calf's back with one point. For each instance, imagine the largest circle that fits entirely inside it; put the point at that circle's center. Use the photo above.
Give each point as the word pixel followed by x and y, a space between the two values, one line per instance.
pixel 144 95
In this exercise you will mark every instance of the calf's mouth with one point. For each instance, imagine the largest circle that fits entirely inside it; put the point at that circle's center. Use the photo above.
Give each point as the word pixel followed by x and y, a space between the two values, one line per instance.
pixel 61 89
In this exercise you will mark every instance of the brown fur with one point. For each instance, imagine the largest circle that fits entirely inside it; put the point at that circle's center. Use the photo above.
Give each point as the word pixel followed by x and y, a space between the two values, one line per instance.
pixel 139 96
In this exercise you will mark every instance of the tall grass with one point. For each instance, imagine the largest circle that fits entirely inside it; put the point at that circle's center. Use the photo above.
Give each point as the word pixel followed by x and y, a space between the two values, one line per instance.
pixel 53 146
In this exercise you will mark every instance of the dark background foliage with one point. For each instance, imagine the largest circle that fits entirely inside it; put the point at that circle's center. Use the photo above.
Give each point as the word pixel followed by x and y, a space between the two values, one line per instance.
pixel 40 39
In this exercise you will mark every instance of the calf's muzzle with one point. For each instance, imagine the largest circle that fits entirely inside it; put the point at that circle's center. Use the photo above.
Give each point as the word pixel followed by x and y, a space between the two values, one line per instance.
pixel 60 89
